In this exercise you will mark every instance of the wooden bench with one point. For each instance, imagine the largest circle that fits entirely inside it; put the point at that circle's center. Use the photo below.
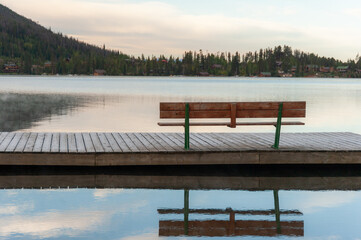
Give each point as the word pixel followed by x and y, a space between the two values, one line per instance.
pixel 232 111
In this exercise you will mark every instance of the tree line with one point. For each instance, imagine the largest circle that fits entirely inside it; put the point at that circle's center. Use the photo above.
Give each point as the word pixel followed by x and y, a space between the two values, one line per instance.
pixel 28 48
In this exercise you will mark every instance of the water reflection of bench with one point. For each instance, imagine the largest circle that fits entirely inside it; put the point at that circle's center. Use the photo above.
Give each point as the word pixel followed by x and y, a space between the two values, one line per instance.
pixel 231 227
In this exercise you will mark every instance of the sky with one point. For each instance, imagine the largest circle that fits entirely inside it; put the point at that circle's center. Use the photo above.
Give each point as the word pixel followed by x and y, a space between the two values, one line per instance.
pixel 326 27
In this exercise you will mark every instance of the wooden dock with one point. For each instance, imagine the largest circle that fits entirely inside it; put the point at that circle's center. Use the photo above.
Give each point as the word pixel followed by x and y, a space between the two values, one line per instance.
pixel 121 149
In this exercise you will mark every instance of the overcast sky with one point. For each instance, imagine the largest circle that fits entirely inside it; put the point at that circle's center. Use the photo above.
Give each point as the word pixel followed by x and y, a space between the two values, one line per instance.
pixel 327 27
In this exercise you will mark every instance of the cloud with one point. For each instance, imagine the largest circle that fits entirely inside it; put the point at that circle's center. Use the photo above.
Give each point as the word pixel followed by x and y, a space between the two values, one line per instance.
pixel 53 224
pixel 11 192
pixel 15 209
pixel 104 193
pixel 68 223
pixel 354 12
pixel 317 200
pixel 152 235
pixel 158 27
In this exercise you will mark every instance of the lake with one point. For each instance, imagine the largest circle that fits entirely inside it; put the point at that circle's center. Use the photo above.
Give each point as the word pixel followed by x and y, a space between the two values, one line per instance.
pixel 175 203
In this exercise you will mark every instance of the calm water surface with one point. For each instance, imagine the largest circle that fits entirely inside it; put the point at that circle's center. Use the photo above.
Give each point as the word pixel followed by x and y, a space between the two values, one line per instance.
pixel 222 204
pixel 132 104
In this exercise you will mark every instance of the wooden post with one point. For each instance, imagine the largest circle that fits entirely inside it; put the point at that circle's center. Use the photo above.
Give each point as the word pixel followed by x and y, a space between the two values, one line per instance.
pixel 233 115
pixel 278 127
pixel 232 223
pixel 186 127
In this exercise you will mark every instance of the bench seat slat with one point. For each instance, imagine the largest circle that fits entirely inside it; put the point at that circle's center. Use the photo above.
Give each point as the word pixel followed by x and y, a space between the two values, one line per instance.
pixel 228 123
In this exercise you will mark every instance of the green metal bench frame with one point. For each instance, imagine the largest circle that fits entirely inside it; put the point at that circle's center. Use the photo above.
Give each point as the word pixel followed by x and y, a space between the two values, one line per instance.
pixel 277 135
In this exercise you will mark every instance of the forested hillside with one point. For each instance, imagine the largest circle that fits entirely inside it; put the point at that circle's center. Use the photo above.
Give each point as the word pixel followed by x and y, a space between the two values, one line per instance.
pixel 36 49
pixel 28 48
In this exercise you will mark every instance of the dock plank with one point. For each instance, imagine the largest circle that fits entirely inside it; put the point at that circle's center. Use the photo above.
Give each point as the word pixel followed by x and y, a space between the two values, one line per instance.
pixel 165 146
pixel 248 141
pixel 2 136
pixel 172 144
pixel 72 147
pixel 121 143
pixel 180 139
pixel 129 142
pixel 23 140
pixel 63 143
pixel 38 145
pixel 88 143
pixel 14 142
pixel 216 145
pixel 321 142
pixel 80 145
pixel 6 141
pixel 202 145
pixel 105 143
pixel 148 145
pixel 137 142
pixel 113 143
pixel 55 142
pixel 229 141
pixel 47 142
pixel 158 142
pixel 342 142
pixel 96 142
pixel 151 144
pixel 31 142
pixel 224 144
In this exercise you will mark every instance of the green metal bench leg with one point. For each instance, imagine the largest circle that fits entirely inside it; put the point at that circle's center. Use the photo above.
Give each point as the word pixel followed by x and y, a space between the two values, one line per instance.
pixel 278 127
pixel 186 128
pixel 186 211
pixel 277 211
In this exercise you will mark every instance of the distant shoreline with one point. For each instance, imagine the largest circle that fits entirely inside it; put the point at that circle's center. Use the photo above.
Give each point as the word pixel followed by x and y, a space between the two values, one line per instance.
pixel 176 76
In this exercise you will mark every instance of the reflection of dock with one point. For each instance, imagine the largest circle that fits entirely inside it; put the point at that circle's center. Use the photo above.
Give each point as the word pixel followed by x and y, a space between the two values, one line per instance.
pixel 233 226
pixel 178 182
pixel 119 149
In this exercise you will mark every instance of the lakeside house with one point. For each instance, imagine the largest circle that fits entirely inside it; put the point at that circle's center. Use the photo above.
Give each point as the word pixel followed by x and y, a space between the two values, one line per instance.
pixel 203 74
pixel 265 74
pixel 293 69
pixel 48 64
pixel 37 69
pixel 99 72
pixel 311 68
pixel 216 66
pixel 342 69
pixel 288 75
pixel 327 69
pixel 11 68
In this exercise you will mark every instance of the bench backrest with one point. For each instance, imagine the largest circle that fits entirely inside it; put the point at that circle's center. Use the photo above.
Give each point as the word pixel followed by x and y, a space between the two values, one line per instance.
pixel 232 109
